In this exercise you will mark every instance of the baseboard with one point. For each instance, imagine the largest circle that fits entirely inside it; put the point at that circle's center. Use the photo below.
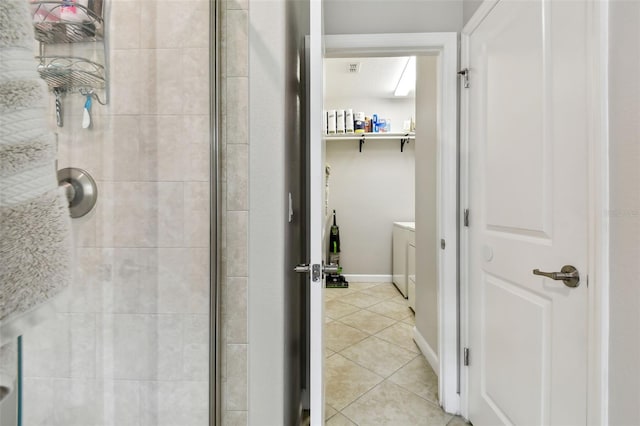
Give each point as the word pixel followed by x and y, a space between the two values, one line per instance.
pixel 368 278
pixel 427 351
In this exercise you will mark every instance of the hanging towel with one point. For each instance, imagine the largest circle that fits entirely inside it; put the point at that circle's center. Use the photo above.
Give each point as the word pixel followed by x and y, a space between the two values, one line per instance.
pixel 35 227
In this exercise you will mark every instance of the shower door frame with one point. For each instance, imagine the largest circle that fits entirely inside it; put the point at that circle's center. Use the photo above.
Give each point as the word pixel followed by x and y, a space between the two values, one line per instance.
pixel 214 215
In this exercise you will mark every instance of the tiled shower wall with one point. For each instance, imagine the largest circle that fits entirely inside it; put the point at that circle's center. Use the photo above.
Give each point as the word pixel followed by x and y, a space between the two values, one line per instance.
pixel 234 146
pixel 131 345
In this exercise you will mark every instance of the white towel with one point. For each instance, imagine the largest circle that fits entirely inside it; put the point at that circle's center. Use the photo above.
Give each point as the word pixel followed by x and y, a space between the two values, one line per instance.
pixel 35 228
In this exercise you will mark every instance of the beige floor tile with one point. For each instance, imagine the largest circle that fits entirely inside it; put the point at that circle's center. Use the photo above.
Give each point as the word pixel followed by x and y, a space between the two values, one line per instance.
pixel 389 404
pixel 336 293
pixel 391 310
pixel 346 381
pixel 329 412
pixel 336 309
pixel 419 378
pixel 383 358
pixel 400 334
pixel 411 319
pixel 340 420
pixel 382 291
pixel 339 336
pixel 362 286
pixel 368 322
pixel 359 299
pixel 400 300
pixel 328 352
pixel 457 421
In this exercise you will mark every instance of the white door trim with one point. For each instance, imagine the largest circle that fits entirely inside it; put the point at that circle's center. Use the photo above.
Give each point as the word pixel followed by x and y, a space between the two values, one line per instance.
pixel 445 45
pixel 598 309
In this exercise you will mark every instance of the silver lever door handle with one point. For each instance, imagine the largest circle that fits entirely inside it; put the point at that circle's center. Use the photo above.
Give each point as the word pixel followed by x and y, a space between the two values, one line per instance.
pixel 301 268
pixel 330 268
pixel 568 274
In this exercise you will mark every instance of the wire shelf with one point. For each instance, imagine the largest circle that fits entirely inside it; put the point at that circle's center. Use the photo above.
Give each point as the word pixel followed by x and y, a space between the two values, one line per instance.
pixel 68 74
pixel 67 22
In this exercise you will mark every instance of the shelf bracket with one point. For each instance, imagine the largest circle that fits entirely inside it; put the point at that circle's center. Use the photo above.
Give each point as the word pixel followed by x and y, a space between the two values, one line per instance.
pixel 361 143
pixel 404 140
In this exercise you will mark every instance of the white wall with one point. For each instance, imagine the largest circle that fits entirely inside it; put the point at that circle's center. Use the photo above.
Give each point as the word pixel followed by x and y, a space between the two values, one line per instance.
pixel 398 16
pixel 468 9
pixel 624 376
pixel 370 191
pixel 267 47
pixel 426 208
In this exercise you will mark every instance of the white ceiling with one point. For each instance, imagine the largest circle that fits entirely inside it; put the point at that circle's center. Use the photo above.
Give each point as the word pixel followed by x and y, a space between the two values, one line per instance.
pixel 377 77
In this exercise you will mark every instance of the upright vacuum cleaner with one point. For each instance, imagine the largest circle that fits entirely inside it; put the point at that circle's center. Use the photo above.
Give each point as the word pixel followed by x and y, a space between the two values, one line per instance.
pixel 335 280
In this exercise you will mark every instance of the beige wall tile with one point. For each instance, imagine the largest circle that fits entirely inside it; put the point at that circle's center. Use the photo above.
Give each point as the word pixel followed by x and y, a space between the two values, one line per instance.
pixel 77 402
pixel 183 281
pixel 235 302
pixel 237 243
pixel 174 403
pixel 162 81
pixel 168 25
pixel 236 395
pixel 47 348
pixel 238 177
pixel 124 25
pixel 170 214
pixel 163 150
pixel 235 418
pixel 237 4
pixel 126 74
pixel 196 347
pixel 237 120
pixel 141 347
pixel 120 148
pixel 237 43
pixel 93 271
pixel 141 214
pixel 121 401
pixel 84 229
pixel 83 345
pixel 196 213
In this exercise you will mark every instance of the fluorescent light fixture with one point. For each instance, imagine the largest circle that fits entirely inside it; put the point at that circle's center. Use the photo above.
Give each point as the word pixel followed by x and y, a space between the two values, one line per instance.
pixel 407 80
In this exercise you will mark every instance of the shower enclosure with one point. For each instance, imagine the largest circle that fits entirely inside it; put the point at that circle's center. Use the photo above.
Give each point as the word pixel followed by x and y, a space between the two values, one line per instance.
pixel 133 341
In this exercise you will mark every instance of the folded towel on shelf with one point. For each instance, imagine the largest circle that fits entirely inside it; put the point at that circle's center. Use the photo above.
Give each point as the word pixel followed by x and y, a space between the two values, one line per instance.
pixel 35 227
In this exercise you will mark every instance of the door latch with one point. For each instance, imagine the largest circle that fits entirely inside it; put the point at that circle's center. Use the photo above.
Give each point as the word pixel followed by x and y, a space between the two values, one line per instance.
pixel 316 270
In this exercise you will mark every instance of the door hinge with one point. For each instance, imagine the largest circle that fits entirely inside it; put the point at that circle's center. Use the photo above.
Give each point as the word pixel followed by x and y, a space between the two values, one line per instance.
pixel 464 73
pixel 465 360
pixel 466 217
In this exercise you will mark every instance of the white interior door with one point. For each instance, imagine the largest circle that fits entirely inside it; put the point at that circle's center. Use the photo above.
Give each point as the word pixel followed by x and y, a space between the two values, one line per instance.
pixel 316 210
pixel 528 155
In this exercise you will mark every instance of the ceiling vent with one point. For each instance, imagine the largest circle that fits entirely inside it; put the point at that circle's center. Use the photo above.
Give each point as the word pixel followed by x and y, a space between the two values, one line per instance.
pixel 354 68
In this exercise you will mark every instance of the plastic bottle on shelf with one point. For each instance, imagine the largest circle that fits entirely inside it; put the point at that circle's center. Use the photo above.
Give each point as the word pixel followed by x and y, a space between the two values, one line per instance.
pixel 340 125
pixel 359 123
pixel 348 121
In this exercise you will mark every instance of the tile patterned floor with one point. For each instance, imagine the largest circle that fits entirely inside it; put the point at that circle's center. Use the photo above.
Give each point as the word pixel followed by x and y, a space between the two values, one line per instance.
pixel 375 373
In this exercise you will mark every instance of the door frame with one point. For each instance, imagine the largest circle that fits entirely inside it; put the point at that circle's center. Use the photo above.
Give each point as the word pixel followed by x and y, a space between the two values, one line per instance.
pixel 445 45
pixel 598 194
